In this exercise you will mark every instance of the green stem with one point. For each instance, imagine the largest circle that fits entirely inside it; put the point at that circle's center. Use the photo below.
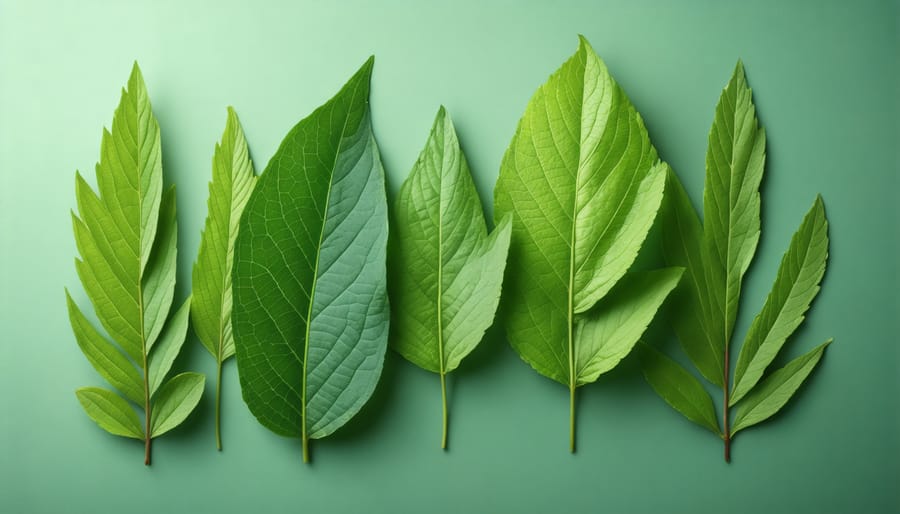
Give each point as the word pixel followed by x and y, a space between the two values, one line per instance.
pixel 305 444
pixel 218 404
pixel 727 431
pixel 572 417
pixel 444 405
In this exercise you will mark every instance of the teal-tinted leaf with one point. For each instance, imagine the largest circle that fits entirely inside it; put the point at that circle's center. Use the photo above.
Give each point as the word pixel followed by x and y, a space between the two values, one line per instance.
pixel 176 399
pixel 233 179
pixel 447 270
pixel 734 167
pixel 105 357
pixel 310 315
pixel 773 393
pixel 607 333
pixel 583 184
pixel 690 310
pixel 795 287
pixel 170 342
pixel 680 389
pixel 110 411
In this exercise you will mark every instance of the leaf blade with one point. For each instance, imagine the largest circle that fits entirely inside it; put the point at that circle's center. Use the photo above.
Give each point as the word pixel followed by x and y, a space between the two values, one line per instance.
pixel 170 343
pixel 110 412
pixel 177 398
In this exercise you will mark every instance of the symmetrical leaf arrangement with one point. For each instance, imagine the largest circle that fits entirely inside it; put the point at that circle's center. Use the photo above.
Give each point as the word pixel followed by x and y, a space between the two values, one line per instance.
pixel 126 237
pixel 446 271
pixel 310 288
pixel 233 180
pixel 716 256
pixel 583 185
pixel 291 275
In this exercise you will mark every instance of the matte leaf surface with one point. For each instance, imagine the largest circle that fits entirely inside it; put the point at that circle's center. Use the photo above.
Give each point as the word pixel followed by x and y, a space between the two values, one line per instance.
pixel 583 185
pixel 176 399
pixel 311 315
pixel 678 388
pixel 446 270
pixel 110 412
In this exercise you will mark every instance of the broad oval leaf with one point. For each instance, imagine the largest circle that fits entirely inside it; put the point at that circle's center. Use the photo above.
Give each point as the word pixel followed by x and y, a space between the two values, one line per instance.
pixel 446 270
pixel 583 184
pixel 311 314
pixel 177 398
pixel 773 393
pixel 110 412
pixel 796 285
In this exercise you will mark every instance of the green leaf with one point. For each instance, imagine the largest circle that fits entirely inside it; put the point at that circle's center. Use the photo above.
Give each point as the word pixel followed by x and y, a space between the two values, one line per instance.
pixel 310 316
pixel 110 411
pixel 583 184
pixel 734 168
pixel 690 309
pixel 680 389
pixel 773 393
pixel 233 179
pixel 126 237
pixel 607 333
pixel 795 287
pixel 446 269
pixel 176 399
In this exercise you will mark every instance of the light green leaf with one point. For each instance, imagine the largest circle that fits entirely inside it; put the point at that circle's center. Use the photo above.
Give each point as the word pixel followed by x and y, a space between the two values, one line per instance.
pixel 159 274
pixel 176 399
pixel 105 357
pixel 680 389
pixel 734 167
pixel 690 309
pixel 170 342
pixel 583 184
pixel 795 287
pixel 447 271
pixel 608 332
pixel 773 393
pixel 110 411
pixel 310 316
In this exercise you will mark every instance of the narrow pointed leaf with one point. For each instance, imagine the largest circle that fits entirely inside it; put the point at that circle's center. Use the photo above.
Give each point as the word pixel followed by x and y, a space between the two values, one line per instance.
pixel 170 342
pixel 734 167
pixel 608 332
pixel 176 399
pixel 310 314
pixel 447 270
pixel 110 411
pixel 159 275
pixel 680 389
pixel 583 184
pixel 773 393
pixel 795 287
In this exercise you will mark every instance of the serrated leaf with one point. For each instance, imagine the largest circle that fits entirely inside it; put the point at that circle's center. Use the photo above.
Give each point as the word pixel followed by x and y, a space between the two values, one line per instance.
pixel 233 179
pixel 170 343
pixel 773 393
pixel 310 316
pixel 734 167
pixel 583 184
pixel 680 389
pixel 447 270
pixel 796 285
pixel 176 399
pixel 607 333
pixel 110 411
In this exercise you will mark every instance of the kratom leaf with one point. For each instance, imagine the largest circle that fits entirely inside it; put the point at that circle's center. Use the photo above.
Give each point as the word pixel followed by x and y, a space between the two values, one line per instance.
pixel 233 180
pixel 795 287
pixel 583 184
pixel 110 412
pixel 311 316
pixel 678 388
pixel 126 238
pixel 176 399
pixel 446 269
pixel 773 393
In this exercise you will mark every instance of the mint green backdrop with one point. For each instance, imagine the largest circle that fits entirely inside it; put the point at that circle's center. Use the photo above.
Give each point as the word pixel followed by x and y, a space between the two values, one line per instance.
pixel 825 79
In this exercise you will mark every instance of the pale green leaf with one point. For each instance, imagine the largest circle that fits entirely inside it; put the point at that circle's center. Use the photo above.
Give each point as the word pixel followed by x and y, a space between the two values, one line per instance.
pixel 110 411
pixel 607 333
pixel 159 274
pixel 767 398
pixel 680 389
pixel 170 342
pixel 795 287
pixel 177 398
pixel 734 167
pixel 310 315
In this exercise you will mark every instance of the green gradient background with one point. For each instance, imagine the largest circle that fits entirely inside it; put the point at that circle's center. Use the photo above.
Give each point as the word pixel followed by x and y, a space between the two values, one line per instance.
pixel 825 77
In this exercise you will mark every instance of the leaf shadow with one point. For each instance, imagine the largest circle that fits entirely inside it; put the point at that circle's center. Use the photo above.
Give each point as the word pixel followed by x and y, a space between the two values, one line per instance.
pixel 366 423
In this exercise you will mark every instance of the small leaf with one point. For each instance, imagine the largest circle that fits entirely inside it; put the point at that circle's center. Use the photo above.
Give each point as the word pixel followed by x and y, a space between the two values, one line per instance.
pixel 176 399
pixel 110 411
pixel 680 389
pixel 795 288
pixel 159 276
pixel 773 393
pixel 170 342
